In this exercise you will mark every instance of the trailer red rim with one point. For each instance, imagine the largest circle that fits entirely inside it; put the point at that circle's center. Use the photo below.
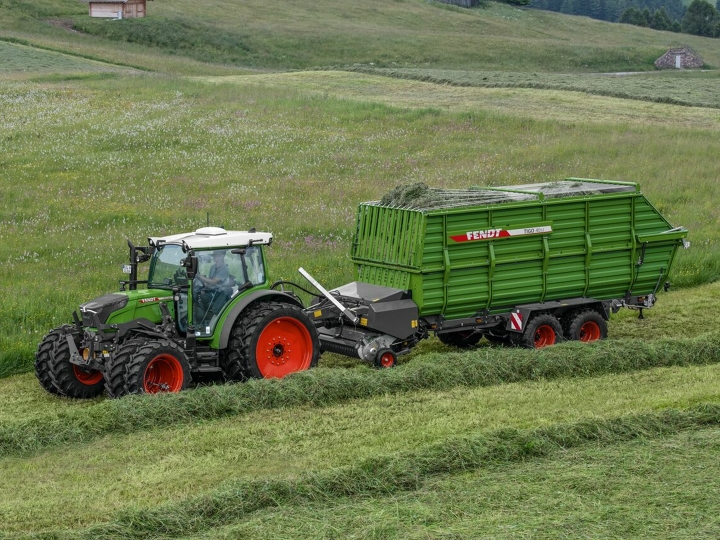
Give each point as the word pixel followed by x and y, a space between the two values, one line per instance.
pixel 87 377
pixel 284 347
pixel 387 360
pixel 164 373
pixel 544 336
pixel 590 331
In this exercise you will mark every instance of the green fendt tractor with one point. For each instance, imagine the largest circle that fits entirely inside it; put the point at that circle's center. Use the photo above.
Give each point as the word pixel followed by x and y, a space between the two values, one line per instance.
pixel 207 308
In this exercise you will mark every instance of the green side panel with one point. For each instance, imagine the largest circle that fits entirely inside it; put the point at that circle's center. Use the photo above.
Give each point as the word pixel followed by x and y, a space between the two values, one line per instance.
pixel 659 254
pixel 427 292
pixel 610 224
pixel 390 236
pixel 610 274
pixel 569 221
pixel 433 243
pixel 388 277
pixel 566 278
pixel 517 283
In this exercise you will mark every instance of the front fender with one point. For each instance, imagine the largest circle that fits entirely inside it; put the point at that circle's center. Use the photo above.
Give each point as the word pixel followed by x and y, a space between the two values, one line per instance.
pixel 237 309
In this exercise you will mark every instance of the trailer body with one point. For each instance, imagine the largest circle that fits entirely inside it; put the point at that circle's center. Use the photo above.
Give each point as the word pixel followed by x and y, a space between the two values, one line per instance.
pixel 492 249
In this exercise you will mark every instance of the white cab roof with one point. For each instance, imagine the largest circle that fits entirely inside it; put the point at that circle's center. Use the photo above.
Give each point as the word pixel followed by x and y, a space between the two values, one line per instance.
pixel 215 237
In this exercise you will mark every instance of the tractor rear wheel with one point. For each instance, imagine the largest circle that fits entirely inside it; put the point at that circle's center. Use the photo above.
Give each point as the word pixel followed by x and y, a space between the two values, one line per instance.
pixel 463 339
pixel 586 326
pixel 157 366
pixel 541 331
pixel 70 379
pixel 116 368
pixel 43 357
pixel 272 340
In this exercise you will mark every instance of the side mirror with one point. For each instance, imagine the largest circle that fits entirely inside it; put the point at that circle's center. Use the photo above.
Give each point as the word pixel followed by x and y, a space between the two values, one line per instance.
pixel 190 263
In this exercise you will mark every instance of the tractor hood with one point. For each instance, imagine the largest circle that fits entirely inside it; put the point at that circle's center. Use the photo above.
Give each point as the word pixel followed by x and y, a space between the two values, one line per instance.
pixel 103 307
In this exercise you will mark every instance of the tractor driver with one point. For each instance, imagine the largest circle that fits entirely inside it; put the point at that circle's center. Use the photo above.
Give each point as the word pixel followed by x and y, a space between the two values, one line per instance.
pixel 211 297
pixel 218 273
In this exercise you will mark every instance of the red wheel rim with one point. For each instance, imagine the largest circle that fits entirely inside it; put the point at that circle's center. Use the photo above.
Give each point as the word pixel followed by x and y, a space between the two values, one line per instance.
pixel 590 331
pixel 164 373
pixel 544 336
pixel 284 347
pixel 88 377
pixel 387 360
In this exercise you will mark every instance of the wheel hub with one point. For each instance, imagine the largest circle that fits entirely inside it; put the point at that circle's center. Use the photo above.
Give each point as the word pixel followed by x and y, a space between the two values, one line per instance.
pixel 278 350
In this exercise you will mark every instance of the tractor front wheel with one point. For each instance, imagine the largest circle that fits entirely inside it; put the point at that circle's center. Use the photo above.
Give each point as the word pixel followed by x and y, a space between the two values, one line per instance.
pixel 157 366
pixel 116 367
pixel 272 340
pixel 70 379
pixel 43 358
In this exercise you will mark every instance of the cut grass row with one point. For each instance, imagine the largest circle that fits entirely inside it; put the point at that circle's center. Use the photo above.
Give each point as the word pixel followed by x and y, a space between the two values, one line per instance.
pixel 324 387
pixel 694 89
pixel 387 474
pixel 665 487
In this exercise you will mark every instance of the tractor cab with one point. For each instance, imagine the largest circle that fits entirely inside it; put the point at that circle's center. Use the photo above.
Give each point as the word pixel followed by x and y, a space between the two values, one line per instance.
pixel 207 269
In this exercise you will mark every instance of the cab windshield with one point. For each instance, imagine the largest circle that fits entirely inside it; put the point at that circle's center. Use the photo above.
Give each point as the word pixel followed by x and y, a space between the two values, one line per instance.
pixel 166 270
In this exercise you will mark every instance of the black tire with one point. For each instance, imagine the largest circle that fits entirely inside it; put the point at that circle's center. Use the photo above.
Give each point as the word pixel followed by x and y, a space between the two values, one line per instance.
pixel 233 369
pixel 541 331
pixel 157 366
pixel 463 339
pixel 271 340
pixel 385 358
pixel 116 367
pixel 586 326
pixel 71 380
pixel 43 357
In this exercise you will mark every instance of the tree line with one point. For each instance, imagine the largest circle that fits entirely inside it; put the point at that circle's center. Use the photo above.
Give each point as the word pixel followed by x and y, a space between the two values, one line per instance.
pixel 700 18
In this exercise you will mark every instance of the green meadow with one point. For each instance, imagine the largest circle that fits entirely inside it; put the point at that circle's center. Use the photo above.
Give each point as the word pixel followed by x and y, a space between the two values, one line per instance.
pixel 284 117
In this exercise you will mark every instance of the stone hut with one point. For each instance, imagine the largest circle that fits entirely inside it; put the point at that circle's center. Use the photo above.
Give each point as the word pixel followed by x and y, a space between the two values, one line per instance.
pixel 461 3
pixel 683 58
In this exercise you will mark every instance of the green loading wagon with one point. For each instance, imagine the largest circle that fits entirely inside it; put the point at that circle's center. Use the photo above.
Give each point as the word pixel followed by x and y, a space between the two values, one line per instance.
pixel 491 261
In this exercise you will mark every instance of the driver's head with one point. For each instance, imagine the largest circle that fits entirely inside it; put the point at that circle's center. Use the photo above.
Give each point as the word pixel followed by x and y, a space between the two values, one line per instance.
pixel 218 257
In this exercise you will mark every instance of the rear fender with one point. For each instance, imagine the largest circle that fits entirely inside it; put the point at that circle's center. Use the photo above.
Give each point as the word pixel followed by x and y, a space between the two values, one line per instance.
pixel 237 309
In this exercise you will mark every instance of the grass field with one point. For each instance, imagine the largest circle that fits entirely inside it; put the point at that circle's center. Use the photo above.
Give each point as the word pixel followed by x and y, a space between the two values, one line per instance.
pixel 122 130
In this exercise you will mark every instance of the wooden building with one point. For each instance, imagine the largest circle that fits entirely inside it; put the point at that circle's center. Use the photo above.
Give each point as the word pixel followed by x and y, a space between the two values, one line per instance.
pixel 117 9
pixel 682 58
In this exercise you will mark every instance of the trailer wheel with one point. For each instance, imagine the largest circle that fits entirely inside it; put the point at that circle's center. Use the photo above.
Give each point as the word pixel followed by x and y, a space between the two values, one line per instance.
pixel 541 331
pixel 385 358
pixel 463 339
pixel 273 340
pixel 43 357
pixel 71 380
pixel 157 366
pixel 586 326
pixel 116 367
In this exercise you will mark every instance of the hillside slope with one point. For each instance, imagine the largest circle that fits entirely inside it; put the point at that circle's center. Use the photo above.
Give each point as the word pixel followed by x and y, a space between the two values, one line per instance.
pixel 299 34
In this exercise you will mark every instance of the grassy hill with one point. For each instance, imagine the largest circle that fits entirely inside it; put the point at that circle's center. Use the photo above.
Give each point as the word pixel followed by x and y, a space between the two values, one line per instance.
pixel 298 34
pixel 133 128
